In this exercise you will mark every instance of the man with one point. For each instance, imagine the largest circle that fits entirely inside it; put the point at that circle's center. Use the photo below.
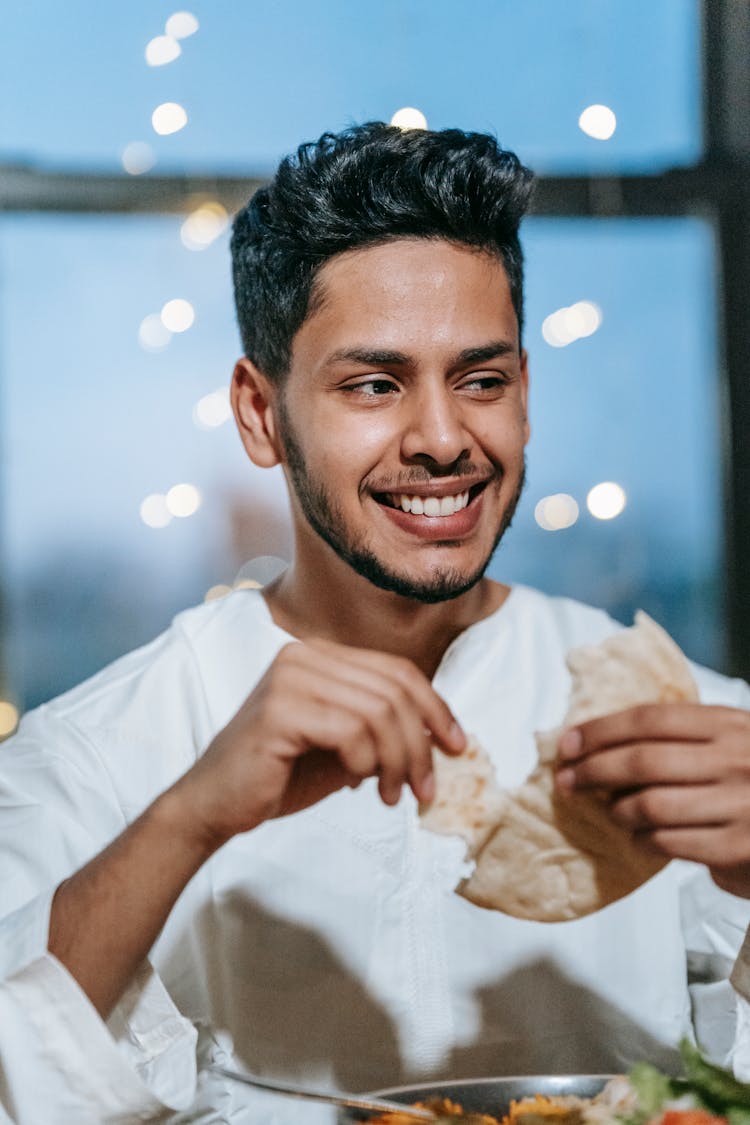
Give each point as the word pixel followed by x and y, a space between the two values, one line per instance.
pixel 379 292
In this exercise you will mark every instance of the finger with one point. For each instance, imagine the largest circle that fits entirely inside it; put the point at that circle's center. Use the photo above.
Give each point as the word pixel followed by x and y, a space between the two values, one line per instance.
pixel 681 806
pixel 402 673
pixel 403 748
pixel 315 775
pixel 672 722
pixel 639 764
pixel 344 729
pixel 722 847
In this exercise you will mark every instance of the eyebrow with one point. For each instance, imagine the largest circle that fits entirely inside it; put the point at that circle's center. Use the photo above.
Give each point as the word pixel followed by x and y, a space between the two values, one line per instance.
pixel 380 357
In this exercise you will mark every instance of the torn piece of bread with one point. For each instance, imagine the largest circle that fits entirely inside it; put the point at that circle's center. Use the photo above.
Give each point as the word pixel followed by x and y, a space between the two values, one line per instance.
pixel 467 800
pixel 551 858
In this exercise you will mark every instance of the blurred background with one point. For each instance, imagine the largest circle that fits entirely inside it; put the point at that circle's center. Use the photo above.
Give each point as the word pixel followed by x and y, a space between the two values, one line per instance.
pixel 129 133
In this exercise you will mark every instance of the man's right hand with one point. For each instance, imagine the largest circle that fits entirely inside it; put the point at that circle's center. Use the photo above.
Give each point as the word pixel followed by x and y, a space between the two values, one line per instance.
pixel 324 716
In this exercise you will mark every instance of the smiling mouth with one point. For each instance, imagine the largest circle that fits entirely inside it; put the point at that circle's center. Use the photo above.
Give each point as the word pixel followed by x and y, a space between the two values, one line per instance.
pixel 432 507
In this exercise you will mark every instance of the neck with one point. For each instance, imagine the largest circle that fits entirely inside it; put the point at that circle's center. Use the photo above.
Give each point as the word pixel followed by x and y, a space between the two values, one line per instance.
pixel 340 605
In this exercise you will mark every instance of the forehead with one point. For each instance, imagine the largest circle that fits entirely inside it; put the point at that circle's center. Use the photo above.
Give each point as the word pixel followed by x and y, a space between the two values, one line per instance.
pixel 413 294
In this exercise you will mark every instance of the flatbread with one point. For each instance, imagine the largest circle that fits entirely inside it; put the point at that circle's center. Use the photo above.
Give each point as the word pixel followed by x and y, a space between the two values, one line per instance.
pixel 552 858
pixel 467 800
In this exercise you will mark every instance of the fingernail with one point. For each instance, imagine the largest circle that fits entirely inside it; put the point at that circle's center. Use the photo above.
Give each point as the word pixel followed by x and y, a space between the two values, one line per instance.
pixel 457 736
pixel 565 780
pixel 426 792
pixel 570 744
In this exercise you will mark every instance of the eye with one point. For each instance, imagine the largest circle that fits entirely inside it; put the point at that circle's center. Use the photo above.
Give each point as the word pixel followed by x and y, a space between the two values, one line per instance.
pixel 485 383
pixel 374 387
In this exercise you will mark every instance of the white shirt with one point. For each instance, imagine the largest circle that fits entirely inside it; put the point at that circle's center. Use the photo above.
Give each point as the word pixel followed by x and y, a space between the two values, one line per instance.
pixel 329 946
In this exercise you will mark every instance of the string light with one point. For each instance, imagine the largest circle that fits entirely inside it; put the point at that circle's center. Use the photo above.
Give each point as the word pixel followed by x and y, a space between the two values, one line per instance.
pixel 169 117
pixel 566 325
pixel 259 571
pixel 177 315
pixel 153 334
pixel 203 226
pixel 212 410
pixel 216 592
pixel 598 121
pixel 154 511
pixel 9 717
pixel 556 512
pixel 607 500
pixel 409 118
pixel 137 158
pixel 162 50
pixel 180 25
pixel 183 500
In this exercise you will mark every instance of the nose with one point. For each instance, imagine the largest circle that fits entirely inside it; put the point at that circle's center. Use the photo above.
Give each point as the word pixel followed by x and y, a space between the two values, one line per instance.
pixel 435 430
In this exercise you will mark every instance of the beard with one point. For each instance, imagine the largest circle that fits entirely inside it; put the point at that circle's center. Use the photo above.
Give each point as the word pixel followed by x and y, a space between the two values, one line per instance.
pixel 325 518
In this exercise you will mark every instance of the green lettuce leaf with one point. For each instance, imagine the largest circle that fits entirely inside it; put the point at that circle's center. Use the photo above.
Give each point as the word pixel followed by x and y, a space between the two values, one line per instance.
pixel 716 1086
pixel 652 1087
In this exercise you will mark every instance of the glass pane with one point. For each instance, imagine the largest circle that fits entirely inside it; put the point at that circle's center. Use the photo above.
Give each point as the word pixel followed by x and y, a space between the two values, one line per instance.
pixel 93 424
pixel 636 403
pixel 258 78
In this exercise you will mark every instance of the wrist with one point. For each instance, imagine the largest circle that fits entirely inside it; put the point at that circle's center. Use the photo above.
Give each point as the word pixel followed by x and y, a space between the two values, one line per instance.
pixel 183 823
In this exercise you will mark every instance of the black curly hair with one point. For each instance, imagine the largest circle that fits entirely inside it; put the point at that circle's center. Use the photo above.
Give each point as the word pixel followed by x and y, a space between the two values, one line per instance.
pixel 367 185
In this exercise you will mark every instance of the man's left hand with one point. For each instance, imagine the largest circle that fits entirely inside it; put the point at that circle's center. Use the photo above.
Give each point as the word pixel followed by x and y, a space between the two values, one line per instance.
pixel 677 775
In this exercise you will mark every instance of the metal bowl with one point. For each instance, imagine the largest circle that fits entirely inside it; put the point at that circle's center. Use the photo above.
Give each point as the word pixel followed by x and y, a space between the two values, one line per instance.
pixel 489 1095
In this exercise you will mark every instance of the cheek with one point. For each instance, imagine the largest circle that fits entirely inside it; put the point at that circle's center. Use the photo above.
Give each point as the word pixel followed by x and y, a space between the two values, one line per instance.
pixel 357 446
pixel 505 441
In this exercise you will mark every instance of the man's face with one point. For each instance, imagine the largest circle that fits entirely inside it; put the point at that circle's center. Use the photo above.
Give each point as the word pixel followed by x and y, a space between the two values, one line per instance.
pixel 403 416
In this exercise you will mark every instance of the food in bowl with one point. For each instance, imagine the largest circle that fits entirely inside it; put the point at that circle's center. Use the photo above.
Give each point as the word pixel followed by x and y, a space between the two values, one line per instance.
pixel 705 1095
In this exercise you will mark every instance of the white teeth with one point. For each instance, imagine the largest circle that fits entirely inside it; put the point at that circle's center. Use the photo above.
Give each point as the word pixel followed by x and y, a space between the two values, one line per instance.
pixel 431 506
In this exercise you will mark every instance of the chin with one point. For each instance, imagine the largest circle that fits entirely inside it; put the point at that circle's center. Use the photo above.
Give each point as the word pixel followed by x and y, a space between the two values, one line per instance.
pixel 440 585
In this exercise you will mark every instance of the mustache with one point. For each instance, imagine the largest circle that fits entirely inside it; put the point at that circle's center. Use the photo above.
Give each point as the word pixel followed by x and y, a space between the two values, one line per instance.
pixel 460 471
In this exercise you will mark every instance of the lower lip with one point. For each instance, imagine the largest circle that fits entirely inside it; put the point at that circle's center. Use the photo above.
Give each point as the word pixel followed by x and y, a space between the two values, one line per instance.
pixel 432 528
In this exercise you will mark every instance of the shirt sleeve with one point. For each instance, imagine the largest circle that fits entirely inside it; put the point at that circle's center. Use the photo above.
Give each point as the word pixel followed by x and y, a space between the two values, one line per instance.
pixel 59 1061
pixel 717 938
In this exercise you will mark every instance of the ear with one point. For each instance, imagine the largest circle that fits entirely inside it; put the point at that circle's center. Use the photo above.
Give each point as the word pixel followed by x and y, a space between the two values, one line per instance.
pixel 252 396
pixel 525 395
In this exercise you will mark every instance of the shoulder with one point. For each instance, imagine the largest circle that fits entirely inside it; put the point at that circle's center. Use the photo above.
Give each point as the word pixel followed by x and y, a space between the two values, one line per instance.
pixel 158 706
pixel 562 622
pixel 168 663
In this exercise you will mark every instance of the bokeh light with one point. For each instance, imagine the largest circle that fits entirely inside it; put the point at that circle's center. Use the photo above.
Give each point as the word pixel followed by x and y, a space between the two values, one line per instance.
pixel 556 512
pixel 153 335
pixel 212 410
pixel 574 322
pixel 260 571
pixel 181 24
pixel 154 511
pixel 8 717
pixel 203 226
pixel 169 117
pixel 178 315
pixel 137 158
pixel 162 50
pixel 409 118
pixel 598 121
pixel 606 500
pixel 216 592
pixel 183 500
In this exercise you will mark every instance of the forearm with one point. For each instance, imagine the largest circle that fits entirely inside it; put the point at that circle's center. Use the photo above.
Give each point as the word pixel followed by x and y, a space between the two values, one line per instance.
pixel 106 917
